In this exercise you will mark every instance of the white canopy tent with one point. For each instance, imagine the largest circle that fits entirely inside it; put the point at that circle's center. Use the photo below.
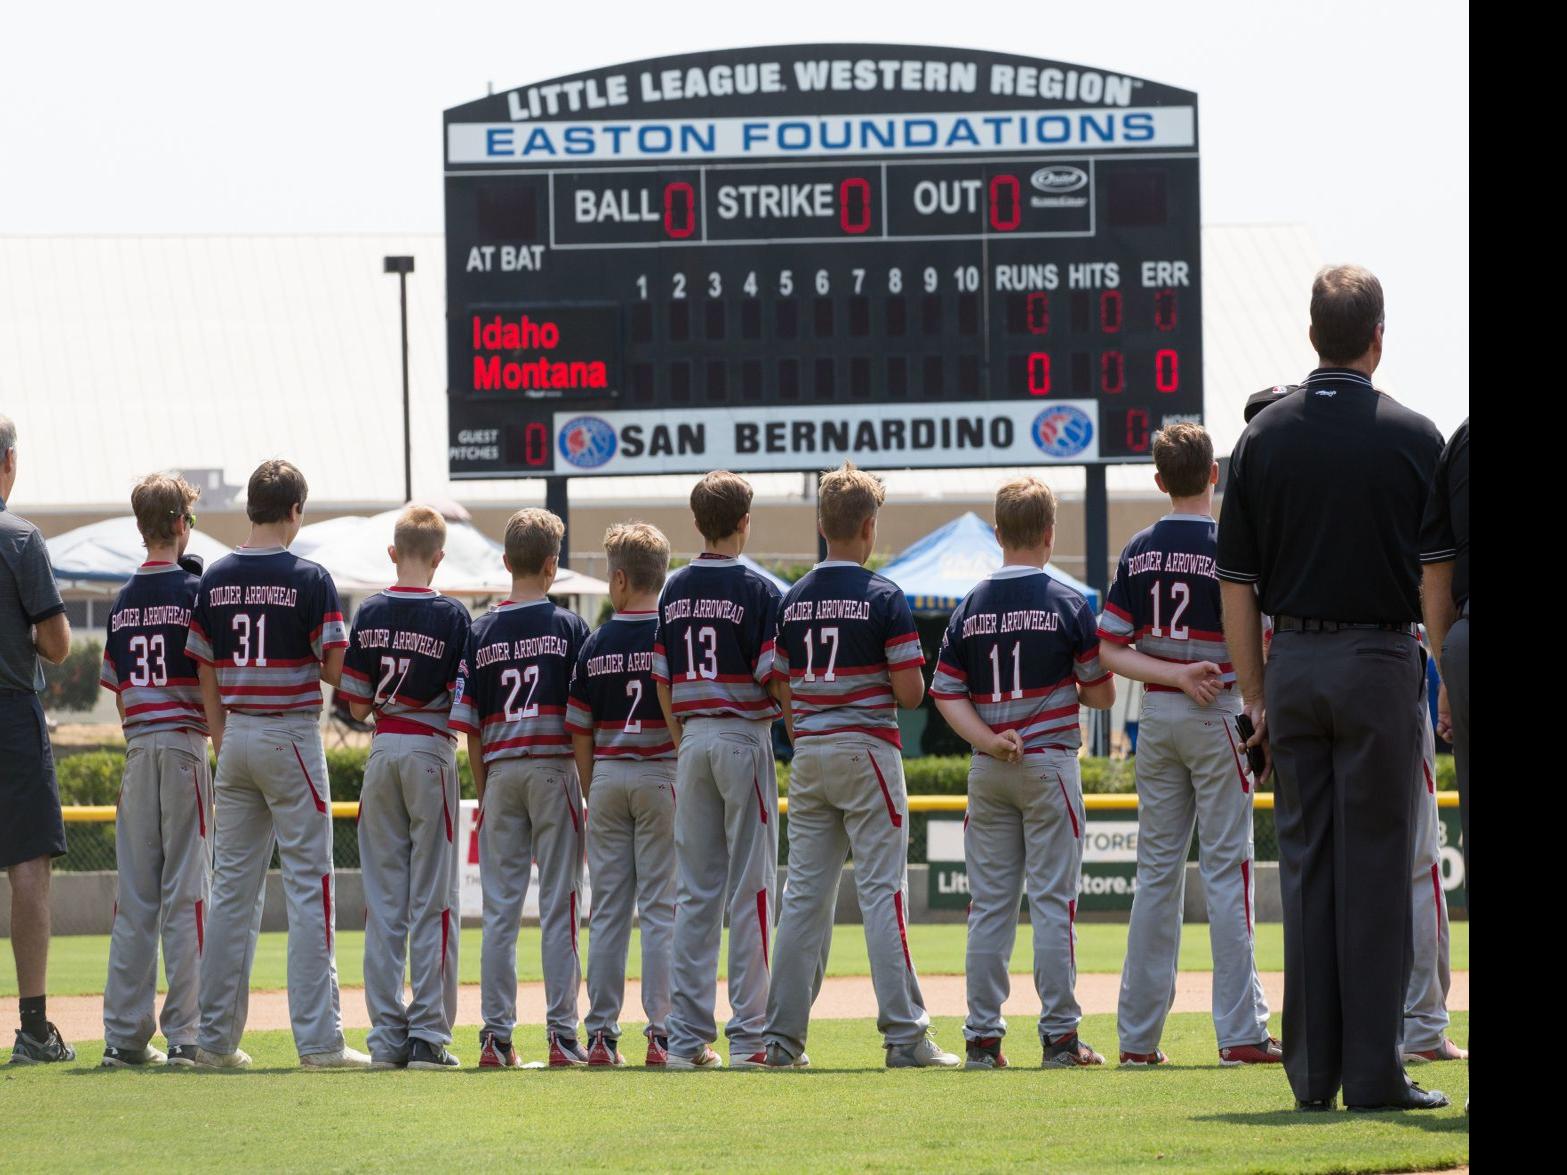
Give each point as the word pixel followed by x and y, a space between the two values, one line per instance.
pixel 99 558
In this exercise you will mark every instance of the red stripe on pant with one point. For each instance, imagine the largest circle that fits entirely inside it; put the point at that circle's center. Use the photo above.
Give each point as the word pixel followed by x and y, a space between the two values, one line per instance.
pixel 892 813
pixel 1070 811
pixel 446 935
pixel 1236 755
pixel 761 922
pixel 1430 783
pixel 903 929
pixel 326 907
pixel 1436 890
pixel 305 771
pixel 1071 929
pixel 446 808
pixel 761 804
pixel 201 808
pixel 1246 893
pixel 201 933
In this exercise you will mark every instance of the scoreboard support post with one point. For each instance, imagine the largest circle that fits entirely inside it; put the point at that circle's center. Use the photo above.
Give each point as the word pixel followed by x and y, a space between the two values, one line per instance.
pixel 557 500
pixel 1096 547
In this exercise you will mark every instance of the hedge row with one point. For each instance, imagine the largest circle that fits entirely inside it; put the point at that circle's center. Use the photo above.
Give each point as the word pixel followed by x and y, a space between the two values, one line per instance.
pixel 94 776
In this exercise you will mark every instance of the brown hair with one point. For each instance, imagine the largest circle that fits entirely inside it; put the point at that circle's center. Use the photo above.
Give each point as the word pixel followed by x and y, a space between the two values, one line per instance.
pixel 1025 511
pixel 420 533
pixel 532 536
pixel 159 500
pixel 275 489
pixel 641 551
pixel 1346 309
pixel 845 498
pixel 718 502
pixel 1183 455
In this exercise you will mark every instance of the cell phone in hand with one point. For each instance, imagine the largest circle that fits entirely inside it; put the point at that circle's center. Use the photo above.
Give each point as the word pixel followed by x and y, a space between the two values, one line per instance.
pixel 1254 755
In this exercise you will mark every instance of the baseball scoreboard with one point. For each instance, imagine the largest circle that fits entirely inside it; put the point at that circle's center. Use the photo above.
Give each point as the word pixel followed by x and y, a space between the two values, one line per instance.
pixel 776 258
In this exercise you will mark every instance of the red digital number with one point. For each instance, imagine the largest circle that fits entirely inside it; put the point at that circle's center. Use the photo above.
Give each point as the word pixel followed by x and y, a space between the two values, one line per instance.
pixel 1112 373
pixel 1110 311
pixel 1039 374
pixel 1039 313
pixel 535 444
pixel 852 190
pixel 1164 309
pixel 1166 371
pixel 1006 203
pixel 1137 430
pixel 679 210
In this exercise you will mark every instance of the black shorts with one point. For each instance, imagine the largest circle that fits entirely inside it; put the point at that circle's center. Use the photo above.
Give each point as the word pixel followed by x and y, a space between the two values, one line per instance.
pixel 30 823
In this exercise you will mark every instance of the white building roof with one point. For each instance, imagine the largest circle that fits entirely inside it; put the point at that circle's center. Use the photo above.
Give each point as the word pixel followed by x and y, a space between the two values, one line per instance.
pixel 124 354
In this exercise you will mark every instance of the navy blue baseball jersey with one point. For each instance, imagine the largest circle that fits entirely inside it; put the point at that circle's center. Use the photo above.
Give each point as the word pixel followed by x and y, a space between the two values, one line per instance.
pixel 1018 647
pixel 612 693
pixel 841 632
pixel 513 681
pixel 1165 597
pixel 403 654
pixel 144 657
pixel 714 645
pixel 264 619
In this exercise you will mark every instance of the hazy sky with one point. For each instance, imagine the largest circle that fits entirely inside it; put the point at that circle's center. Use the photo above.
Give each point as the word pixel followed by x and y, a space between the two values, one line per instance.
pixel 325 117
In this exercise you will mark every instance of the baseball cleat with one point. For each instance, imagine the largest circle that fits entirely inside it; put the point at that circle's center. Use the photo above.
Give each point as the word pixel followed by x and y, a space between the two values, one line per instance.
pixel 778 1057
pixel 566 1053
pixel 497 1053
pixel 1446 1051
pixel 1266 1052
pixel 343 1058
pixel 985 1053
pixel 749 1061
pixel 48 1051
pixel 182 1056
pixel 1414 1098
pixel 426 1055
pixel 657 1051
pixel 924 1053
pixel 114 1058
pixel 706 1059
pixel 1069 1052
pixel 1144 1060
pixel 605 1052
pixel 238 1059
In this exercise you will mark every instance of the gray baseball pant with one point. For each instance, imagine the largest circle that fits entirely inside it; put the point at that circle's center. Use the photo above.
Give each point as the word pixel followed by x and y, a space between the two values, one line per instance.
pixel 532 811
pixel 164 856
pixel 1455 672
pixel 1024 829
pixel 846 792
pixel 408 862
pixel 271 788
pixel 631 859
pixel 1189 773
pixel 726 854
pixel 1425 1006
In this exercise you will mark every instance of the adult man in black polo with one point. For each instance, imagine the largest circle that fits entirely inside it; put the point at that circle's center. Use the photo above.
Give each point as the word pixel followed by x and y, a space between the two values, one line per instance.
pixel 32 625
pixel 1321 519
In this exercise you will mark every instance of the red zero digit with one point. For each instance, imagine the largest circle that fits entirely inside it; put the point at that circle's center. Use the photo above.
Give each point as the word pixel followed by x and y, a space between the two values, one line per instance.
pixel 1166 371
pixel 1006 203
pixel 1110 311
pixel 535 444
pixel 1164 309
pixel 1039 313
pixel 1137 430
pixel 1112 373
pixel 854 205
pixel 679 210
pixel 1039 374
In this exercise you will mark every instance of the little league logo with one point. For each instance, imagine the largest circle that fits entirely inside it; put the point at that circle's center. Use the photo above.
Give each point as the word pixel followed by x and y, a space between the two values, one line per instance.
pixel 1062 431
pixel 587 442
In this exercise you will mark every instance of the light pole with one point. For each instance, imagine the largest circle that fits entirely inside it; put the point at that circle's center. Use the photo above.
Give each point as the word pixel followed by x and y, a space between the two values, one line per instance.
pixel 402 267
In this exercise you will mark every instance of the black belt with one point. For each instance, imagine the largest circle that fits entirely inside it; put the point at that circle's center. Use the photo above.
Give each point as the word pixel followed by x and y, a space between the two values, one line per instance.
pixel 1308 624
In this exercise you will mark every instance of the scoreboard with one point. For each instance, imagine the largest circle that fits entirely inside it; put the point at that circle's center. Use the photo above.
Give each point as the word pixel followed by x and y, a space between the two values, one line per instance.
pixel 777 258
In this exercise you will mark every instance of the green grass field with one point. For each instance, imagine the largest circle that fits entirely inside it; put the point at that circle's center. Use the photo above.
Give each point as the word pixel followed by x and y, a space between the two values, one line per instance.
pixel 78 964
pixel 847 1114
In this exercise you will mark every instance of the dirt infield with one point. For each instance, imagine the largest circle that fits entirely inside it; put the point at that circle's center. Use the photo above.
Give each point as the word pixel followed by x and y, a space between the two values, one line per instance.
pixel 847 998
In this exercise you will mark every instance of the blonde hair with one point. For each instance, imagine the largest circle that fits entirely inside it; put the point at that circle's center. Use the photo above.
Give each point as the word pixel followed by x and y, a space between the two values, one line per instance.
pixel 718 502
pixel 532 536
pixel 158 501
pixel 845 498
pixel 1025 513
pixel 420 533
pixel 641 551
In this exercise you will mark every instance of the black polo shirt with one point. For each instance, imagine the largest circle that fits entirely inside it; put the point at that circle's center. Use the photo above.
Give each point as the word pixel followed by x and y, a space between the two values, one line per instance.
pixel 1324 502
pixel 1445 535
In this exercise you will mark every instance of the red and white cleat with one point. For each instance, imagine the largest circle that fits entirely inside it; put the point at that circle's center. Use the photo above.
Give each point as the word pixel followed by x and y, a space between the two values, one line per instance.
pixel 604 1053
pixel 1446 1051
pixel 1144 1060
pixel 497 1054
pixel 1266 1052
pixel 657 1052
pixel 566 1053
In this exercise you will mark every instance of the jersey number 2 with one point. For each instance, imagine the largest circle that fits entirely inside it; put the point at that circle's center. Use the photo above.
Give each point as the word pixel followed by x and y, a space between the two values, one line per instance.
pixel 513 678
pixel 1180 596
pixel 389 666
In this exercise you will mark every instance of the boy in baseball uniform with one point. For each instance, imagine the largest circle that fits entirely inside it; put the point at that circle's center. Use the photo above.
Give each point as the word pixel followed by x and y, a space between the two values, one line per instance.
pixel 510 701
pixel 1161 626
pixel 265 631
pixel 712 659
pixel 401 666
pixel 164 811
pixel 626 760
pixel 1018 659
pixel 846 657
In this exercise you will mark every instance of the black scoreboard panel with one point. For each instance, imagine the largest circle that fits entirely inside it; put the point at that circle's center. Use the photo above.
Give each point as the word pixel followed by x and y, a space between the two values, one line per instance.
pixel 1036 301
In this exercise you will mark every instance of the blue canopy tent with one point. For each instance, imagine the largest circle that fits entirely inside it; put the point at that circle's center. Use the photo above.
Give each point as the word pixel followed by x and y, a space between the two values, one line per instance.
pixel 782 585
pixel 939 570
